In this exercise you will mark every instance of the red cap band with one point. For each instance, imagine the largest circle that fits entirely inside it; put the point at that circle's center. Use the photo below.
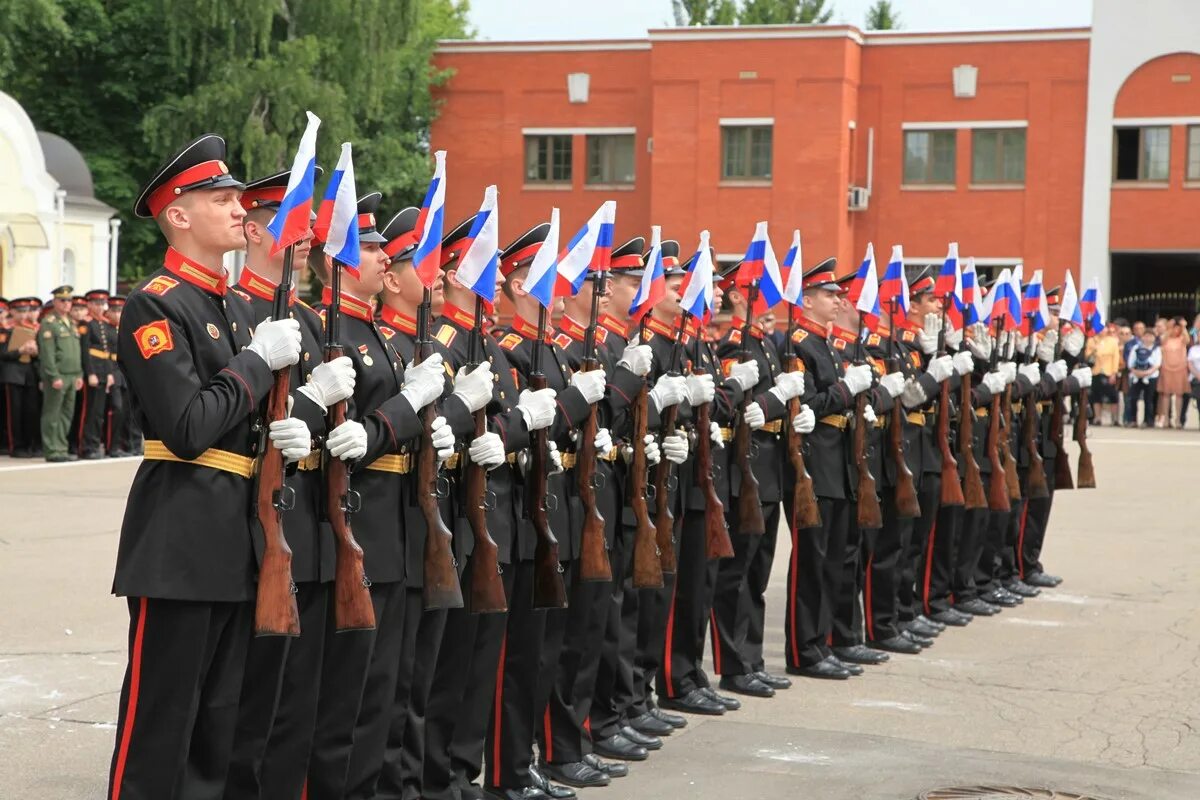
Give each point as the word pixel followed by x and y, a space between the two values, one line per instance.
pixel 165 194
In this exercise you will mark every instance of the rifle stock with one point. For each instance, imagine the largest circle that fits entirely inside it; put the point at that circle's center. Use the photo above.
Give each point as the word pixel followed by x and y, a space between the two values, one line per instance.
pixel 1011 480
pixel 952 491
pixel 549 591
pixel 1087 472
pixel 806 512
pixel 974 496
pixel 997 490
pixel 487 586
pixel 647 560
pixel 907 505
pixel 1038 487
pixel 594 564
pixel 870 515
pixel 717 543
pixel 275 611
pixel 750 515
pixel 664 520
pixel 1062 466
pixel 440 585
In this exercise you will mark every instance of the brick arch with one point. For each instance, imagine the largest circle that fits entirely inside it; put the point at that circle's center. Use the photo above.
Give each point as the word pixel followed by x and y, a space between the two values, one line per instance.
pixel 1157 88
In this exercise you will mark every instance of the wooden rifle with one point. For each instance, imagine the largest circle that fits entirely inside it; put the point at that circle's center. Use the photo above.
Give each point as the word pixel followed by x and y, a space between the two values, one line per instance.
pixel 717 543
pixel 593 560
pixel 1037 487
pixel 952 491
pixel 486 594
pixel 997 482
pixel 275 611
pixel 1062 466
pixel 907 504
pixel 664 520
pixel 805 511
pixel 647 560
pixel 353 610
pixel 1011 480
pixel 750 515
pixel 974 497
pixel 440 582
pixel 870 515
pixel 1087 472
pixel 549 591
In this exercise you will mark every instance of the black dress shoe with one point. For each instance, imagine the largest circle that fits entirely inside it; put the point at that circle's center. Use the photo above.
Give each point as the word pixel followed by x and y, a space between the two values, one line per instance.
pixel 118 454
pixel 650 725
pixel 1004 599
pixel 552 790
pixel 674 720
pixel 730 703
pixel 1021 588
pixel 526 793
pixel 694 702
pixel 579 774
pixel 853 669
pixel 22 454
pixel 920 640
pixel 92 456
pixel 924 620
pixel 921 629
pixel 952 618
pixel 620 748
pixel 859 654
pixel 746 684
pixel 776 682
pixel 57 459
pixel 648 742
pixel 978 608
pixel 1040 580
pixel 825 670
pixel 613 769
pixel 896 644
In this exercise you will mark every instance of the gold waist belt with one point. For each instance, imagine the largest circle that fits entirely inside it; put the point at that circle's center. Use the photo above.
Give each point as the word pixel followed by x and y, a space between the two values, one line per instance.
pixel 235 463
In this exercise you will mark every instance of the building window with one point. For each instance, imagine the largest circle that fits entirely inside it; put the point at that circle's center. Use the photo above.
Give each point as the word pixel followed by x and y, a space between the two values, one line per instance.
pixel 998 156
pixel 929 156
pixel 746 152
pixel 548 159
pixel 610 158
pixel 1142 154
pixel 68 267
pixel 1193 164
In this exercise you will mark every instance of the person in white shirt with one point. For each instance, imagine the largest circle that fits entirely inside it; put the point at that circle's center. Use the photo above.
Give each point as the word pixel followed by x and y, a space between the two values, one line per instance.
pixel 1145 359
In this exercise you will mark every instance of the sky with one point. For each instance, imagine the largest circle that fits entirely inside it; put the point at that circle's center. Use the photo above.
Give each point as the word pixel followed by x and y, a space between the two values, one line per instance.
pixel 627 19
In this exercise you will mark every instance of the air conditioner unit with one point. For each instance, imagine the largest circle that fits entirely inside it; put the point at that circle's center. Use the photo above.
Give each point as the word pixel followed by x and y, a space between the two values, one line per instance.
pixel 858 198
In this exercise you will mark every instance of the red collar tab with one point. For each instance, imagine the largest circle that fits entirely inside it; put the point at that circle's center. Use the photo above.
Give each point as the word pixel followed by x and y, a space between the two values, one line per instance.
pixel 844 334
pixel 755 330
pixel 458 316
pixel 350 306
pixel 812 326
pixel 519 258
pixel 253 283
pixel 401 322
pixel 661 328
pixel 691 330
pixel 193 273
pixel 164 195
pixel 577 332
pixel 528 330
pixel 612 324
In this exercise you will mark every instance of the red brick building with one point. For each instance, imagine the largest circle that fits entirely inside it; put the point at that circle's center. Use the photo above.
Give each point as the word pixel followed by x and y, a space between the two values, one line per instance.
pixel 1059 149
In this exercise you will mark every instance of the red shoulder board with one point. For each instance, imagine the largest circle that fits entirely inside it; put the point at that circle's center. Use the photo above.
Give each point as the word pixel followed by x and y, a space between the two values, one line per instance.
pixel 873 339
pixel 510 341
pixel 446 334
pixel 321 314
pixel 562 340
pixel 799 335
pixel 839 344
pixel 907 336
pixel 735 335
pixel 242 295
pixel 387 332
pixel 160 285
pixel 601 335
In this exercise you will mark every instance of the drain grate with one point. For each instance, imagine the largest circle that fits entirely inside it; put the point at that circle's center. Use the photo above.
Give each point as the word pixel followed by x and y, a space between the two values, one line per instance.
pixel 1001 793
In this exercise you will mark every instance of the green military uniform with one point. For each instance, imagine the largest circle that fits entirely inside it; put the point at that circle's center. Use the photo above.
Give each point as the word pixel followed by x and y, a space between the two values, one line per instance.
pixel 60 359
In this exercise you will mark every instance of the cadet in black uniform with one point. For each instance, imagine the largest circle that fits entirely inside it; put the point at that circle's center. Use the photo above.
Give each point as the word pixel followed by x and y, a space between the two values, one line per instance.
pixel 186 558
pixel 81 317
pixel 99 345
pixel 123 436
pixel 19 375
pixel 5 329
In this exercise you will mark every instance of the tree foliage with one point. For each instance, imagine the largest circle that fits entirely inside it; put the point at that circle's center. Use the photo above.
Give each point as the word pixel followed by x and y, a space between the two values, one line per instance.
pixel 704 12
pixel 882 16
pixel 784 12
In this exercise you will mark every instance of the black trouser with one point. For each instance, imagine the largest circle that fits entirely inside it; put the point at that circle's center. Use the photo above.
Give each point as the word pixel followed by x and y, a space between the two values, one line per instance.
pixel 688 616
pixel 461 695
pixel 1006 559
pixel 912 562
pixel 93 415
pixel 814 577
pixel 614 679
pixel 402 773
pixel 23 425
pixel 1148 393
pixel 935 572
pixel 971 541
pixel 739 602
pixel 277 712
pixel 885 574
pixel 179 700
pixel 987 566
pixel 847 610
pixel 652 608
pixel 1032 535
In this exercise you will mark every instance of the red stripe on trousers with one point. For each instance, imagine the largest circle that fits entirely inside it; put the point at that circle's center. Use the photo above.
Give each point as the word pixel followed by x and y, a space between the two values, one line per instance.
pixel 548 735
pixel 1021 543
pixel 8 416
pixel 82 420
pixel 928 566
pixel 135 685
pixel 498 712
pixel 867 599
pixel 304 791
pixel 667 642
pixel 792 578
pixel 716 642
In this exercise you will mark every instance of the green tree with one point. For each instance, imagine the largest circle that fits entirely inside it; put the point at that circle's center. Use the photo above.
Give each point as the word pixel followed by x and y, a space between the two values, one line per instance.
pixel 882 16
pixel 784 12
pixel 704 12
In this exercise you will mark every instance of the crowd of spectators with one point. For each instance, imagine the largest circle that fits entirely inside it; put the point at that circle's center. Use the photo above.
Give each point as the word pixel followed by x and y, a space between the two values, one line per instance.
pixel 1156 368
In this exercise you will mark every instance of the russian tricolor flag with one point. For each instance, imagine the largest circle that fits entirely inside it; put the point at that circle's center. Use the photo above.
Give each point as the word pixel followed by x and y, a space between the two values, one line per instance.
pixel 427 259
pixel 1034 312
pixel 481 251
pixel 793 272
pixel 1015 294
pixel 697 288
pixel 953 301
pixel 948 277
pixel 591 248
pixel 653 287
pixel 864 290
pixel 1090 307
pixel 542 275
pixel 894 286
pixel 1068 309
pixel 341 239
pixel 760 265
pixel 1002 301
pixel 290 223
pixel 970 303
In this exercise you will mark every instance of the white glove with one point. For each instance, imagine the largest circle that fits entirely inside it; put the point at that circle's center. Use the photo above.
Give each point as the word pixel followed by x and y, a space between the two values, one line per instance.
pixel 963 363
pixel 653 454
pixel 1009 370
pixel 893 383
pixel 941 368
pixel 347 441
pixel 442 438
pixel 1031 373
pixel 1073 341
pixel 537 408
pixel 869 414
pixel 290 436
pixel 754 416
pixel 1083 375
pixel 788 385
pixel 590 385
pixel 1016 344
pixel 927 337
pixel 669 390
pixel 675 448
pixel 424 382
pixel 555 458
pixel 331 382
pixel 1045 348
pixel 857 378
pixel 981 343
pixel 914 394
pixel 604 443
pixel 474 387
pixel 636 358
pixel 487 451
pixel 954 336
pixel 994 382
pixel 805 421
pixel 700 388
pixel 745 373
pixel 277 343
pixel 714 435
pixel 1057 370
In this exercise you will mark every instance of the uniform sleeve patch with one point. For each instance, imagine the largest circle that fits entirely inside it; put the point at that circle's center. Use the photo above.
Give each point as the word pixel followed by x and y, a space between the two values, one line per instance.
pixel 154 338
pixel 915 357
pixel 876 365
pixel 873 339
pixel 735 335
pixel 727 364
pixel 908 336
pixel 510 341
pixel 446 334
pixel 160 285
pixel 562 340
pixel 799 335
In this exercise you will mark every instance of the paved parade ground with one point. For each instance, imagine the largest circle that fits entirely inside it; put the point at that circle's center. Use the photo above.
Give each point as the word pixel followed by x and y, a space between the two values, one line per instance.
pixel 1094 688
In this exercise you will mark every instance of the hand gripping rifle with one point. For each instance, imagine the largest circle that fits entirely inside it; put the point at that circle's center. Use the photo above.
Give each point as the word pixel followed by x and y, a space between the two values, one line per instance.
pixel 907 505
pixel 487 586
pixel 806 512
pixel 870 515
pixel 594 564
pixel 664 520
pixel 717 543
pixel 440 584
pixel 952 492
pixel 1011 480
pixel 974 496
pixel 275 612
pixel 750 515
pixel 353 610
pixel 997 491
pixel 549 591
pixel 647 563
pixel 1037 487
pixel 1062 466
pixel 1087 472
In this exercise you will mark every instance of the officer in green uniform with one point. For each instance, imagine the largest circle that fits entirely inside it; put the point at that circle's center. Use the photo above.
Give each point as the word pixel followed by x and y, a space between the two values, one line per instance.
pixel 61 374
